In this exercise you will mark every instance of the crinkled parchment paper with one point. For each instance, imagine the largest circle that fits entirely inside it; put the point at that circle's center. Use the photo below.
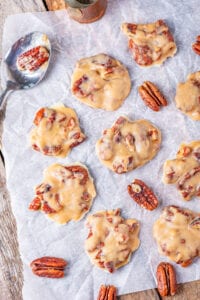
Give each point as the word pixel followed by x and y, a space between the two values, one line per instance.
pixel 71 41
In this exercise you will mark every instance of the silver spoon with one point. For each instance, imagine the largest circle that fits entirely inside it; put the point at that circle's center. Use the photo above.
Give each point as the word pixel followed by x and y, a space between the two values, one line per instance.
pixel 22 79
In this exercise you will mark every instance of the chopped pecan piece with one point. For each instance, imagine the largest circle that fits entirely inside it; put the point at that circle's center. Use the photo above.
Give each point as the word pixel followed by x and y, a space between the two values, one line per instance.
pixel 196 45
pixel 142 194
pixel 51 267
pixel 153 133
pixel 80 172
pixel 121 120
pixel 185 264
pixel 119 168
pixel 184 151
pixel 33 59
pixel 195 223
pixel 39 115
pixel 35 147
pixel 71 123
pixel 78 138
pixel 196 154
pixel 35 204
pixel 166 279
pixel 39 203
pixel 78 87
pixel 141 54
pixel 132 27
pixel 185 186
pixel 43 188
pixel 117 137
pixel 107 293
pixel 151 96
pixel 47 209
pixel 129 139
pixel 52 150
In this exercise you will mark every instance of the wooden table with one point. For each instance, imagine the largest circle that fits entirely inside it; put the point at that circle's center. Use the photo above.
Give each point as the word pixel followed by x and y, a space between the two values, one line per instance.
pixel 11 276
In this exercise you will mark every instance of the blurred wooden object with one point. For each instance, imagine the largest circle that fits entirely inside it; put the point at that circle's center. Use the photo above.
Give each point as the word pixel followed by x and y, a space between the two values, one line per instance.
pixel 55 4
pixel 88 14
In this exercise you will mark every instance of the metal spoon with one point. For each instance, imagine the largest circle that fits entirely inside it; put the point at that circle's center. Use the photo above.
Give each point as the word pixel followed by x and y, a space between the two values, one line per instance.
pixel 24 79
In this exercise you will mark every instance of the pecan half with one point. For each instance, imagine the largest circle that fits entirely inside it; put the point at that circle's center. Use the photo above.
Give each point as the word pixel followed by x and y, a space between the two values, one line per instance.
pixel 151 96
pixel 196 45
pixel 166 279
pixel 51 267
pixel 142 194
pixel 107 293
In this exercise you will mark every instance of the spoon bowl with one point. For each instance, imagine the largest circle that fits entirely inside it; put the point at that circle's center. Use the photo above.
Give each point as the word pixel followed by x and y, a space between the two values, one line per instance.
pixel 24 79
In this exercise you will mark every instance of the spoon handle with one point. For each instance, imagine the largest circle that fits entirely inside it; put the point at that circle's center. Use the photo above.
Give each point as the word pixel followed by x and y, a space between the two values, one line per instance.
pixel 3 97
pixel 10 86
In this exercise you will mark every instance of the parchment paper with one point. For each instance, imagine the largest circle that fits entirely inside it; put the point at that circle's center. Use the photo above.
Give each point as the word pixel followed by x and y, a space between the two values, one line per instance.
pixel 71 41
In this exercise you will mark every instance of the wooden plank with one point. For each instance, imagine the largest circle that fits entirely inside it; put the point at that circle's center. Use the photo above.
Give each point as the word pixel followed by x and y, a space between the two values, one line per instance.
pixel 186 291
pixel 145 295
pixel 11 277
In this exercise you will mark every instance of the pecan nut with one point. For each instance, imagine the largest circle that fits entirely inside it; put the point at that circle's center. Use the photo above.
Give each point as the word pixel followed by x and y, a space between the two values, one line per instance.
pixel 166 279
pixel 196 45
pixel 107 293
pixel 151 96
pixel 51 267
pixel 142 194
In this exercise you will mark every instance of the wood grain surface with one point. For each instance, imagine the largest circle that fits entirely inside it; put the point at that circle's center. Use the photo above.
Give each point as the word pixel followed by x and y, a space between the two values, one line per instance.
pixel 11 276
